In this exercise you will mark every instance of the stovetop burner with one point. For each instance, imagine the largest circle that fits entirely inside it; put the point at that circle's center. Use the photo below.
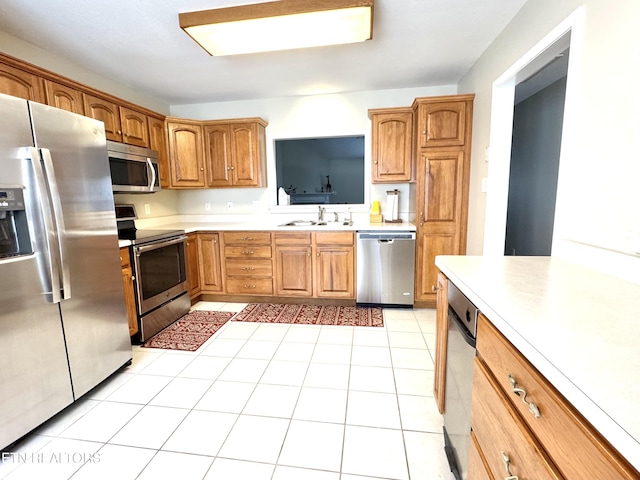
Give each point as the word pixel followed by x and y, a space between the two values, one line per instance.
pixel 125 216
pixel 137 237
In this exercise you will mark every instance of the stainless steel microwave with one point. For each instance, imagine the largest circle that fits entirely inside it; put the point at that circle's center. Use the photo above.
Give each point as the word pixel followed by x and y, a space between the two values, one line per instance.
pixel 133 169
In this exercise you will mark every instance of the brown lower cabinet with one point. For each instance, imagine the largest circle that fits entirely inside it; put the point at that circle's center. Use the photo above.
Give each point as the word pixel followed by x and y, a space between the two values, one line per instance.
pixel 541 436
pixel 300 264
pixel 129 290
pixel 315 264
pixel 193 266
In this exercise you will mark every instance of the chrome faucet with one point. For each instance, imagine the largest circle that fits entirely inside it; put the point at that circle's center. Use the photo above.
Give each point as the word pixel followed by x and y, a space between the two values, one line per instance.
pixel 321 211
pixel 336 218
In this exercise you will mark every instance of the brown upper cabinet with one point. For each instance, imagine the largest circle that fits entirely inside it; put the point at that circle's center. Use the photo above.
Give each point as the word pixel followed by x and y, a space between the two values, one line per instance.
pixel 121 124
pixel 105 111
pixel 392 141
pixel 186 155
pixel 217 153
pixel 158 142
pixel 19 83
pixel 441 123
pixel 64 97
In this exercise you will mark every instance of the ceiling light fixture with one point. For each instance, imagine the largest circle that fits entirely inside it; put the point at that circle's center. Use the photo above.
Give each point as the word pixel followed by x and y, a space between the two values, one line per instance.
pixel 279 25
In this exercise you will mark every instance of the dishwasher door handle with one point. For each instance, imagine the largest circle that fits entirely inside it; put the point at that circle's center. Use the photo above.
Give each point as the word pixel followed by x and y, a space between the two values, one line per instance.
pixel 387 241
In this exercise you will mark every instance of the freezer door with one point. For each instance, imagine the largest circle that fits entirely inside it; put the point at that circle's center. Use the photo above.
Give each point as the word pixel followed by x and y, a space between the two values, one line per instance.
pixel 74 159
pixel 34 374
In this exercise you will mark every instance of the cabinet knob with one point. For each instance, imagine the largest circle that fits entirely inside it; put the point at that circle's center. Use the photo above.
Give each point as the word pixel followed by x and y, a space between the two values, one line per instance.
pixel 119 132
pixel 202 169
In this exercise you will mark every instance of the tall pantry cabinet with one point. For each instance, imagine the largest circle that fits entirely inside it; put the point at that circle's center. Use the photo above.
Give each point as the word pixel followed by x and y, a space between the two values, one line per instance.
pixel 442 139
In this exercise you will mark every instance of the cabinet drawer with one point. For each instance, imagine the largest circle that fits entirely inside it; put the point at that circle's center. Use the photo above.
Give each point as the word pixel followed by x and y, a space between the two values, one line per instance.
pixel 240 266
pixel 124 257
pixel 247 238
pixel 499 429
pixel 478 469
pixel 334 238
pixel 248 251
pixel 293 238
pixel 562 430
pixel 250 286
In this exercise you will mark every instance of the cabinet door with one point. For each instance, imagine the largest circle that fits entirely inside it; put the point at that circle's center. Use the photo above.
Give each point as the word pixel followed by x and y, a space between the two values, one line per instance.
pixel 193 265
pixel 391 147
pixel 442 330
pixel 158 142
pixel 334 272
pixel 129 291
pixel 217 145
pixel 135 127
pixel 245 155
pixel 440 179
pixel 210 268
pixel 442 124
pixel 105 111
pixel 21 84
pixel 293 271
pixel 186 157
pixel 66 98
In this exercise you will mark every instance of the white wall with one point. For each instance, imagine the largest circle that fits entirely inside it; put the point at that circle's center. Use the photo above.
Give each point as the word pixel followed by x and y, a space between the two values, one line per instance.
pixel 598 198
pixel 319 115
pixel 15 47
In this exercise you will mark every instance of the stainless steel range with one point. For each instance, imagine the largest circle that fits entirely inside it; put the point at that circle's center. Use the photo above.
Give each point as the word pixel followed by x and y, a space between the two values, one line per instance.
pixel 159 271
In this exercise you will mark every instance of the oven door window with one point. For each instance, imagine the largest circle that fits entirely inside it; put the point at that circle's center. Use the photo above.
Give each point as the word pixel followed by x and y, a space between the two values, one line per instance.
pixel 161 269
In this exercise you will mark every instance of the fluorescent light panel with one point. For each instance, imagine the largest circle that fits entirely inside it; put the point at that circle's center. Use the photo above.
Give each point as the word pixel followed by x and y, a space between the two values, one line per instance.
pixel 289 25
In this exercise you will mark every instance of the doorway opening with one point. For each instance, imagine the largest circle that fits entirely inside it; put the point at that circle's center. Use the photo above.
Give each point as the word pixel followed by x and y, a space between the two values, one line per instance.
pixel 557 50
pixel 535 158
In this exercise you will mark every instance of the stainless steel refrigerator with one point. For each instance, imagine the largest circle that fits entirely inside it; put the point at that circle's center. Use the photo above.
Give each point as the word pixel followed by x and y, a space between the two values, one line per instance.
pixel 63 323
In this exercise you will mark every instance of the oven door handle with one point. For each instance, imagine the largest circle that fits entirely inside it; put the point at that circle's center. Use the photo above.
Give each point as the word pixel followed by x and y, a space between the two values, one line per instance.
pixel 159 244
pixel 471 341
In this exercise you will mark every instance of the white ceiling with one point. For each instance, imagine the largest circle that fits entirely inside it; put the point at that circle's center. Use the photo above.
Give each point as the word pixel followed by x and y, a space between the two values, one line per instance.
pixel 138 43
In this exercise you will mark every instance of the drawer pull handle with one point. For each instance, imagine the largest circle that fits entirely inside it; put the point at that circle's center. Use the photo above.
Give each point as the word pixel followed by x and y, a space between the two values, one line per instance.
pixel 248 239
pixel 248 268
pixel 507 465
pixel 249 286
pixel 522 393
pixel 247 252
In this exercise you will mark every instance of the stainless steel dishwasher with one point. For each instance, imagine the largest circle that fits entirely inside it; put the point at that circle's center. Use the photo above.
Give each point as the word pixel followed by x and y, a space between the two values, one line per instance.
pixel 385 263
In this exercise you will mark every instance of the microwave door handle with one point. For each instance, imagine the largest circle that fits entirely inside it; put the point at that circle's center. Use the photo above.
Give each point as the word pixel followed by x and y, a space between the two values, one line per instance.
pixel 52 255
pixel 58 220
pixel 152 171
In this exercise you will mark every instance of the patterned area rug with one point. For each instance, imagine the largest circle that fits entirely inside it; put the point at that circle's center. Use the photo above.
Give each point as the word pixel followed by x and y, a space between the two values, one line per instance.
pixel 189 332
pixel 311 314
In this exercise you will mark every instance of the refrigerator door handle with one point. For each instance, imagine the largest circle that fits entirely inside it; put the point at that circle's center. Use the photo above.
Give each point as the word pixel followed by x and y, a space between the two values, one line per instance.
pixel 152 171
pixel 58 219
pixel 53 254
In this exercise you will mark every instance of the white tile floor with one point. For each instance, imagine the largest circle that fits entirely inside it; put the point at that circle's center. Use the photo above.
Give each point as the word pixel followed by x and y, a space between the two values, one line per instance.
pixel 257 402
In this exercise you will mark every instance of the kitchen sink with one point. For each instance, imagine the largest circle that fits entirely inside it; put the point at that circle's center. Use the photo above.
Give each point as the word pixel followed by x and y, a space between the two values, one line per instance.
pixel 299 223
pixel 313 223
pixel 344 223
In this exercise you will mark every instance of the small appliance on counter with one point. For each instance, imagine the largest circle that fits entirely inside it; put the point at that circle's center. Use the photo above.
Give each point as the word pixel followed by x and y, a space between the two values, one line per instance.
pixel 391 210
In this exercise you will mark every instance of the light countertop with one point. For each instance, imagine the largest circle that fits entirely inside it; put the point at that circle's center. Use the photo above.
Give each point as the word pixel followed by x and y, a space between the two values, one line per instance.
pixel 578 327
pixel 190 227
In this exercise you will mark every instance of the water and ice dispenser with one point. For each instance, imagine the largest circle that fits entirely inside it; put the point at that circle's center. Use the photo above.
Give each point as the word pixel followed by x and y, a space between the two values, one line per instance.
pixel 14 228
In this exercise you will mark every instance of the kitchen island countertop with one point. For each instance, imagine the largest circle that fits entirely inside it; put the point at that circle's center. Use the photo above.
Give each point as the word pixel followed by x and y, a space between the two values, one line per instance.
pixel 577 326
